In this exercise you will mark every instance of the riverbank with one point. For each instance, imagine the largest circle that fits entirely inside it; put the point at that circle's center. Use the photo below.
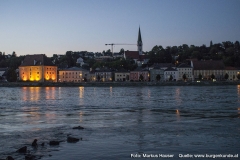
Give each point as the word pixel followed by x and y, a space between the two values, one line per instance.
pixel 115 84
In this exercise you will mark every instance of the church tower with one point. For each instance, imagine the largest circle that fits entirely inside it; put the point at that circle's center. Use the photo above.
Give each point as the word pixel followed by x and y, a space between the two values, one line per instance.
pixel 139 42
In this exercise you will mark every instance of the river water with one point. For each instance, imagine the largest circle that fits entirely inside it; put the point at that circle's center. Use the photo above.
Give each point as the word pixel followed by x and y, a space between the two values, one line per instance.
pixel 120 122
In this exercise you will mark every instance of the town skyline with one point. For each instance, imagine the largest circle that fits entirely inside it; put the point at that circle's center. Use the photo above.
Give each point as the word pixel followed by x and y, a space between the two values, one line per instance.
pixel 54 27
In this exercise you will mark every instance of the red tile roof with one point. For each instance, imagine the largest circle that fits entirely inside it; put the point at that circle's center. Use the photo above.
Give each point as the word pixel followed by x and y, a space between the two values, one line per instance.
pixel 132 54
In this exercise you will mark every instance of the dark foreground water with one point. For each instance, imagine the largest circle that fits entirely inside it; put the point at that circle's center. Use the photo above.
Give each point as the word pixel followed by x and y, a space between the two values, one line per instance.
pixel 121 122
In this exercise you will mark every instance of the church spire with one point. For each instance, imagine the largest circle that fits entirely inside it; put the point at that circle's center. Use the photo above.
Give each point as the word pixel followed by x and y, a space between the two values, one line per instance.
pixel 139 42
pixel 139 35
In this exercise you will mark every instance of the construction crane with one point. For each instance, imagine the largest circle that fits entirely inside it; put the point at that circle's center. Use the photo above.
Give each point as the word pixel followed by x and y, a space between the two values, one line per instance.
pixel 118 44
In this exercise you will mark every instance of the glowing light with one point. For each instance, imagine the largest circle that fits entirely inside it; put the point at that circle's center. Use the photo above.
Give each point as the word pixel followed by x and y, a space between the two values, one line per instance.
pixel 177 111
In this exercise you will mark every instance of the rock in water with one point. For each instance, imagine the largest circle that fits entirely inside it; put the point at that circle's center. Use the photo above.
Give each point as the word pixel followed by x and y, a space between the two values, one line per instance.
pixel 29 157
pixel 9 158
pixel 54 143
pixel 22 150
pixel 78 127
pixel 72 140
pixel 34 143
pixel 42 144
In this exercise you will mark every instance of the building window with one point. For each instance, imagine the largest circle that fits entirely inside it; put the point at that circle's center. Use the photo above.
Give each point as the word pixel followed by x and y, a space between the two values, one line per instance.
pixel 37 72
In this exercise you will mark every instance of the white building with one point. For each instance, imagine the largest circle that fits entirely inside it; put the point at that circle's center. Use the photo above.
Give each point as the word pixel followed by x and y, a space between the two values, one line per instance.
pixel 171 72
pixel 185 69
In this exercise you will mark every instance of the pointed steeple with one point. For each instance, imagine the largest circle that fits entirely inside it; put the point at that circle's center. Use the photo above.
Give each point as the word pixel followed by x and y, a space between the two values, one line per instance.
pixel 139 35
pixel 139 42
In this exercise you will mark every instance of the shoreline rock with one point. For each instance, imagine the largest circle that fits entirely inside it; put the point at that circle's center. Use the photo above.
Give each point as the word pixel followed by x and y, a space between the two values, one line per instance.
pixel 22 150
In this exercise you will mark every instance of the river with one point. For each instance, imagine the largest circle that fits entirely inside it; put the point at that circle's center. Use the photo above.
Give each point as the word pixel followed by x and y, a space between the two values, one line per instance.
pixel 120 122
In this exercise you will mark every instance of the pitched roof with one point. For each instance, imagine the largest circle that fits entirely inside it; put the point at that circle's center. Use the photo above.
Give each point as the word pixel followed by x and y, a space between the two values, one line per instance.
pixel 183 65
pixel 208 65
pixel 170 69
pixel 162 65
pixel 74 69
pixel 132 54
pixel 230 68
pixel 37 60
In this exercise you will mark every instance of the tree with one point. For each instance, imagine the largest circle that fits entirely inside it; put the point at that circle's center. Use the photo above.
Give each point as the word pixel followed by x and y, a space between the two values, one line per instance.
pixel 184 77
pixel 170 78
pixel 141 77
pixel 212 76
pixel 158 77
pixel 11 75
pixel 200 76
pixel 226 76
pixel 98 78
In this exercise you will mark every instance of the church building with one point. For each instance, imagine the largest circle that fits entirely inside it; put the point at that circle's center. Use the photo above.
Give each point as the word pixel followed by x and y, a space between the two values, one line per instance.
pixel 137 56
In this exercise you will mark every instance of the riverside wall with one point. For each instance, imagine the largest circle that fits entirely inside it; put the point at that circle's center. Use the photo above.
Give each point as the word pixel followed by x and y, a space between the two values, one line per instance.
pixel 115 84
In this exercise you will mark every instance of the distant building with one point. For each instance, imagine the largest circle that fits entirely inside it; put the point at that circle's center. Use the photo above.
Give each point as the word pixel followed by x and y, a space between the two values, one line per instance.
pixel 37 68
pixel 3 74
pixel 103 75
pixel 232 73
pixel 185 69
pixel 206 68
pixel 80 61
pixel 171 72
pixel 155 72
pixel 135 75
pixel 73 74
pixel 122 75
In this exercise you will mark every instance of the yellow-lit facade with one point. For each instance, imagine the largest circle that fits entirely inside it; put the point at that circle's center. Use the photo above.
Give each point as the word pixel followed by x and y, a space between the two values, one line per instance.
pixel 38 73
pixel 73 74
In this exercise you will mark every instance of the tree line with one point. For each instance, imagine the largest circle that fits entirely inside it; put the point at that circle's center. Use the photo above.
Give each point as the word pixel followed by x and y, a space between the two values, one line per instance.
pixel 226 51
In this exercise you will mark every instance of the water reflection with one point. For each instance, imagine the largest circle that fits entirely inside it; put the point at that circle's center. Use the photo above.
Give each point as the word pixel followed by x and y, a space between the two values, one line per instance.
pixel 30 93
pixel 50 92
pixel 81 92
pixel 177 97
pixel 31 115
pixel 178 115
pixel 111 91
pixel 80 116
pixel 238 90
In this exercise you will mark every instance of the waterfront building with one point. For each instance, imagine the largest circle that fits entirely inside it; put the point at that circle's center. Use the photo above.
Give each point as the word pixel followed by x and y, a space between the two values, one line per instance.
pixel 3 74
pixel 232 73
pixel 37 68
pixel 122 75
pixel 185 69
pixel 103 75
pixel 139 72
pixel 171 72
pixel 156 73
pixel 206 68
pixel 73 74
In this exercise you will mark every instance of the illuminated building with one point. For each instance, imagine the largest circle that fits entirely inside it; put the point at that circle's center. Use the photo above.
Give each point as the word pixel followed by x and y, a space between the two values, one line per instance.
pixel 73 74
pixel 38 68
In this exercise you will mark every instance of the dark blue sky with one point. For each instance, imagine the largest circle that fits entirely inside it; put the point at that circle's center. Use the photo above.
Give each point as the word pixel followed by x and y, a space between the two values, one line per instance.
pixel 56 26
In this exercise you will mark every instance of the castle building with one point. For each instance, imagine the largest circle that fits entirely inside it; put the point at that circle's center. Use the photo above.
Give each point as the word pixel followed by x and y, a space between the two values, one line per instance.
pixel 37 68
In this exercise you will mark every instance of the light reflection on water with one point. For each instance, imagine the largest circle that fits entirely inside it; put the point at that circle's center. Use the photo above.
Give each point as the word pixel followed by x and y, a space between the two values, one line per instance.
pixel 127 119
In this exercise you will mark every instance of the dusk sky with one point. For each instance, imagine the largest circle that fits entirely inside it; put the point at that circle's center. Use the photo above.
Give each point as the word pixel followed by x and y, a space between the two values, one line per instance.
pixel 56 26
